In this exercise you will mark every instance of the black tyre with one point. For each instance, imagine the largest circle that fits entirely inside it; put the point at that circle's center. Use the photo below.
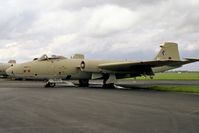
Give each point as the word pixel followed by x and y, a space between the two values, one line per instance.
pixel 83 83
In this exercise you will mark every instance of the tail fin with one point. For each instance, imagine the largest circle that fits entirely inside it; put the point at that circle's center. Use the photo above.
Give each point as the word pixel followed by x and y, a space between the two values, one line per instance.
pixel 169 51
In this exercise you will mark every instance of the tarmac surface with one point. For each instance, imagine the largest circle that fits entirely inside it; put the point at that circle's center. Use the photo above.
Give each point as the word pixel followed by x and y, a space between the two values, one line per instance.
pixel 28 107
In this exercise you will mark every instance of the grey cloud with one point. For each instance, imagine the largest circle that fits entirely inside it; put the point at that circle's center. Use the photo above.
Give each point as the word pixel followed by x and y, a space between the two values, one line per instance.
pixel 132 4
pixel 16 26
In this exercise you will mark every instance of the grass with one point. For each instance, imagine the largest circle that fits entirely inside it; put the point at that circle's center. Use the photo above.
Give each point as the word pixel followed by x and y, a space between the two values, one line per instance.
pixel 173 76
pixel 192 89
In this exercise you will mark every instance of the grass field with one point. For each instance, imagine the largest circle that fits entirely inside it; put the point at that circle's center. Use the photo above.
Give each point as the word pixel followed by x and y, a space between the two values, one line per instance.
pixel 192 89
pixel 173 76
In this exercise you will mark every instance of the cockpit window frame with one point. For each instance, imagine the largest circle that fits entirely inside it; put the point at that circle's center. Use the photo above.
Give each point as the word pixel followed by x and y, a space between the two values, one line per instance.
pixel 53 57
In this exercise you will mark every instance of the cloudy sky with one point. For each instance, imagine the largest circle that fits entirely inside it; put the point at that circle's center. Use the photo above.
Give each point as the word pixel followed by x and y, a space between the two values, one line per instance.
pixel 111 29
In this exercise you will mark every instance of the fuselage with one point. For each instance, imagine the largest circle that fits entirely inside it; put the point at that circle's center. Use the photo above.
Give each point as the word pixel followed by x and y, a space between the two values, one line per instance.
pixel 55 68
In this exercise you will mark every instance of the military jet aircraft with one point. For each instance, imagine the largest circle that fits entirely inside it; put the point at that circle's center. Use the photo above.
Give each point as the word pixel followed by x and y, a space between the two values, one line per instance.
pixel 78 68
pixel 5 66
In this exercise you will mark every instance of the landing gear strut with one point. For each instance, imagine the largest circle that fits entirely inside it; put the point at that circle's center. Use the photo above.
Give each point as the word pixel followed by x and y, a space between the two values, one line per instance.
pixel 108 81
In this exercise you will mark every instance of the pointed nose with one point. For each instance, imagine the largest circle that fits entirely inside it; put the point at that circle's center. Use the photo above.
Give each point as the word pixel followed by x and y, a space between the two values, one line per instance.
pixel 10 72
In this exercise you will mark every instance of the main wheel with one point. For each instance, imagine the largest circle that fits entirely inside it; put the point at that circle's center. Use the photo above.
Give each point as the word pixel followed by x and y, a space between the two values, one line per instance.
pixel 111 85
pixel 84 83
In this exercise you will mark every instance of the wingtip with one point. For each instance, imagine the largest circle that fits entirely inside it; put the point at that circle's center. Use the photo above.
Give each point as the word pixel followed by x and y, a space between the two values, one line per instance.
pixel 192 59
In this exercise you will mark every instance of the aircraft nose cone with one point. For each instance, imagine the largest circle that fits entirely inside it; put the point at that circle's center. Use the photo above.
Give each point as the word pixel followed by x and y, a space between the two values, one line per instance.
pixel 9 71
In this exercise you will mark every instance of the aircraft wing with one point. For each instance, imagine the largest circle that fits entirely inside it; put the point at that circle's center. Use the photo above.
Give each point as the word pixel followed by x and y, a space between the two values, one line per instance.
pixel 192 59
pixel 143 66
pixel 129 66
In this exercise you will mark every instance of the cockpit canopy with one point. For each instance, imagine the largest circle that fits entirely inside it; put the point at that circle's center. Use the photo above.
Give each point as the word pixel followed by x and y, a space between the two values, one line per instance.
pixel 45 57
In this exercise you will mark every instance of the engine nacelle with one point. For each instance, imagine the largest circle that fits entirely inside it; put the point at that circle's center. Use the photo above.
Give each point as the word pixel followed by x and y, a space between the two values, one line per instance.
pixel 89 66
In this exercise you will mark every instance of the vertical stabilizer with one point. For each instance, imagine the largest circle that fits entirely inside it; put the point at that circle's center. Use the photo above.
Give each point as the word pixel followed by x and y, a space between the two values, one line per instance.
pixel 168 51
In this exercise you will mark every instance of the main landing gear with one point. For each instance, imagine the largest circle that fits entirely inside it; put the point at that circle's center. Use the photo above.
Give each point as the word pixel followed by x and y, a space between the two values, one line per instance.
pixel 83 82
pixel 109 81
